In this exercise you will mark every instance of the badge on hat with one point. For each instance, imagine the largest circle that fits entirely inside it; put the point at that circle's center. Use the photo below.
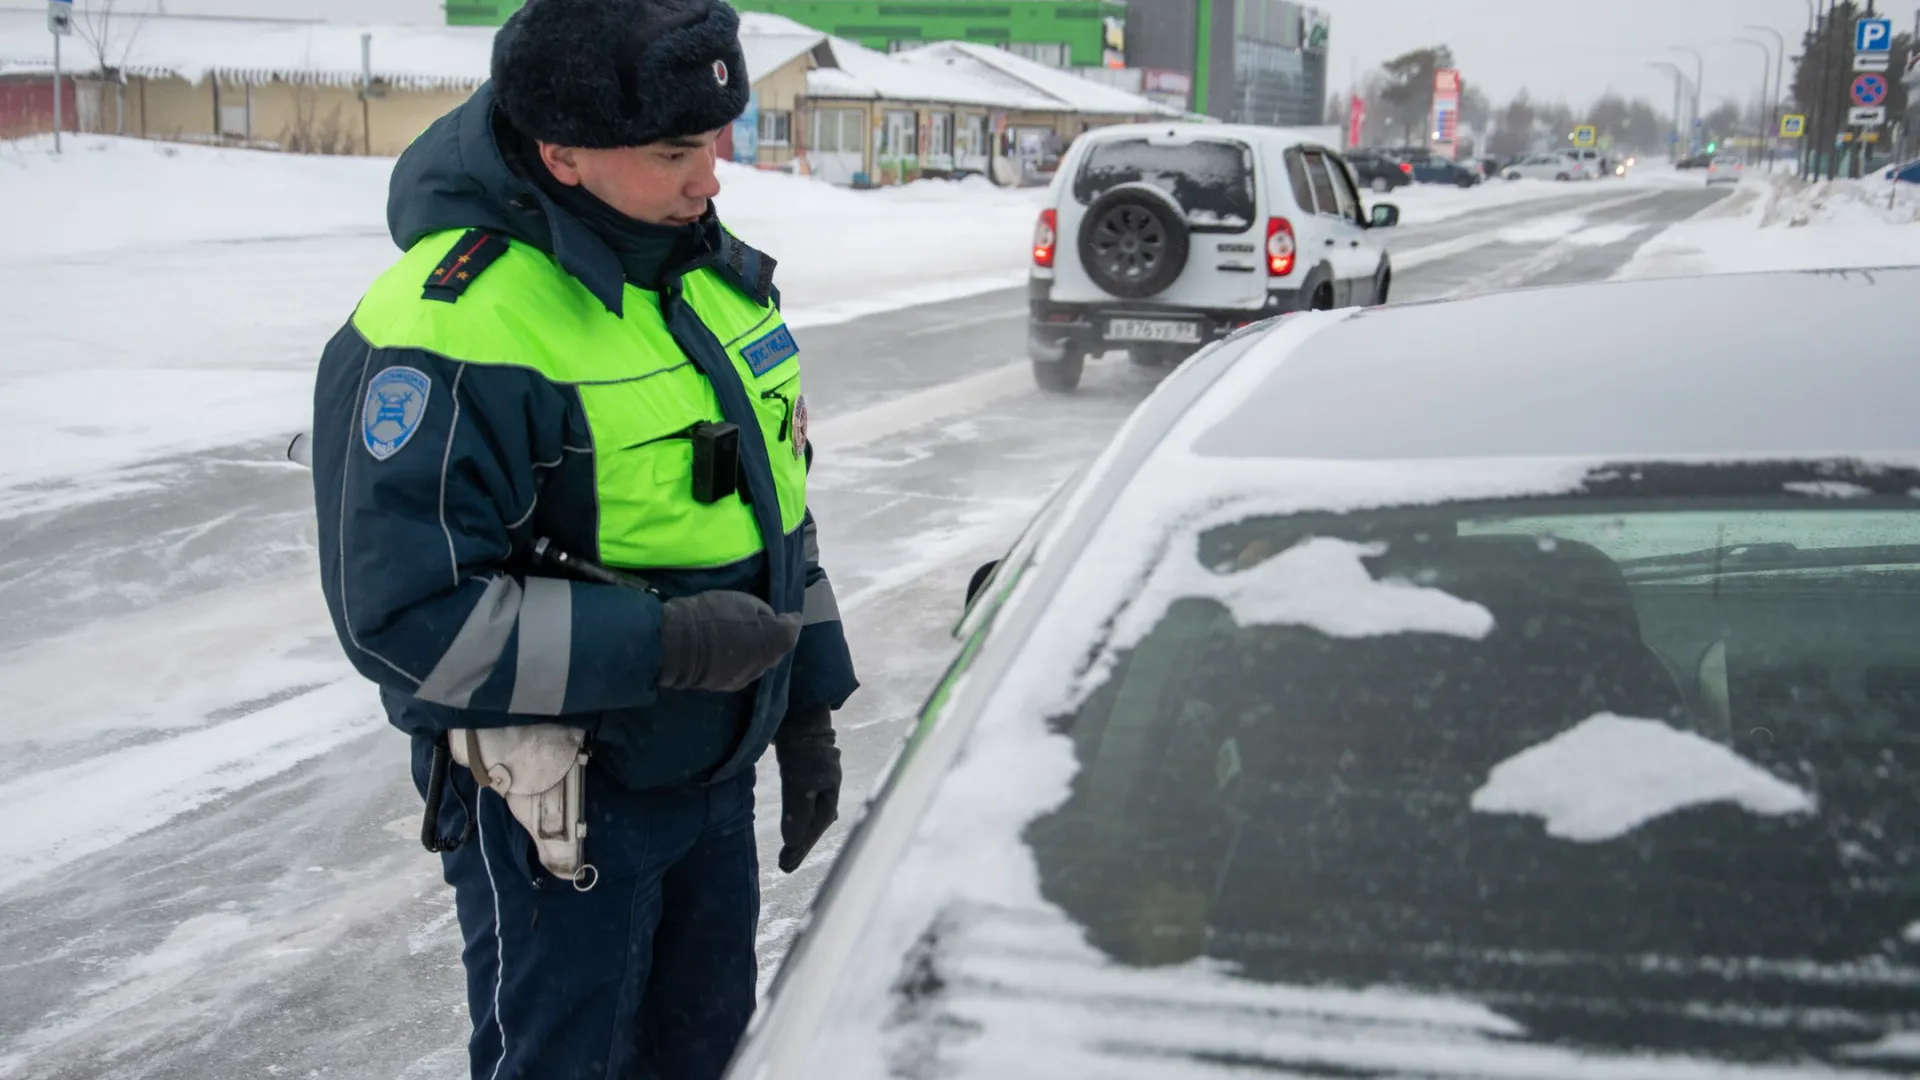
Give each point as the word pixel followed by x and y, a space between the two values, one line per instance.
pixel 720 72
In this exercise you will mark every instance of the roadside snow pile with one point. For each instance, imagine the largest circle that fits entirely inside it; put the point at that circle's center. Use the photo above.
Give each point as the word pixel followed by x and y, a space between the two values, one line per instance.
pixel 841 252
pixel 845 253
pixel 1779 224
pixel 176 297
pixel 108 194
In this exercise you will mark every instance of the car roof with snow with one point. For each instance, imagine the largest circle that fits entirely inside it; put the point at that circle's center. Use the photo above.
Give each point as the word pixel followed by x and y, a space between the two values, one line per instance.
pixel 1740 363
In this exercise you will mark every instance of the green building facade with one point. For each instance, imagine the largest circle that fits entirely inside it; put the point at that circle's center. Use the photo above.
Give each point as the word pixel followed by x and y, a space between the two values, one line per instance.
pixel 1061 33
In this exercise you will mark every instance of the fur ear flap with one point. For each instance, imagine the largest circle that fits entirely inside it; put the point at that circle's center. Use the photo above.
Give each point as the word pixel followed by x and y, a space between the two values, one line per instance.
pixel 610 73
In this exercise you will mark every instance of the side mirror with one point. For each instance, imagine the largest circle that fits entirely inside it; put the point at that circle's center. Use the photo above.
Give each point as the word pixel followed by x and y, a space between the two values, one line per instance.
pixel 980 578
pixel 1385 216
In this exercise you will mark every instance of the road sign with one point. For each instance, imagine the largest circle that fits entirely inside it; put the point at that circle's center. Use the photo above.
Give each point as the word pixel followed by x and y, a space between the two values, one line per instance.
pixel 1869 90
pixel 1873 35
pixel 1583 135
pixel 1793 125
pixel 1866 117
pixel 60 17
pixel 1872 61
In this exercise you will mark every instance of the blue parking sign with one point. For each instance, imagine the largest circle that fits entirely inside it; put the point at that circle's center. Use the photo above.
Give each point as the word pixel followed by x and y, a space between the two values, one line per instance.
pixel 1873 36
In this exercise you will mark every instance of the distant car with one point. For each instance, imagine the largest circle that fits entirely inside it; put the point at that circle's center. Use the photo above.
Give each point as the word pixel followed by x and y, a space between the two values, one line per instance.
pixel 1439 170
pixel 1159 239
pixel 1724 169
pixel 1588 161
pixel 1379 172
pixel 1371 710
pixel 1694 161
pixel 1542 167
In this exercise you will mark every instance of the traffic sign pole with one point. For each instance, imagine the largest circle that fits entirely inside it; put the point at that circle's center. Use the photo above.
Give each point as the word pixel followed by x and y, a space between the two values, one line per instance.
pixel 56 93
pixel 59 24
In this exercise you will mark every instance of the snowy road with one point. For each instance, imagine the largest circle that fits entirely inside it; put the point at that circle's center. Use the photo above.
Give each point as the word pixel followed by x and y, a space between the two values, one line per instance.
pixel 229 882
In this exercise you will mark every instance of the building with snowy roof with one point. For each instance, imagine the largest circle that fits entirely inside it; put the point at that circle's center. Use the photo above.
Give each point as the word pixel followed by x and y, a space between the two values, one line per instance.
pixel 276 83
pixel 820 103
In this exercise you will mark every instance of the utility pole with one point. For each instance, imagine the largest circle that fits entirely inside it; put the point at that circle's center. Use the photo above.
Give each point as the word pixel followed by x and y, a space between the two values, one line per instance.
pixel 366 92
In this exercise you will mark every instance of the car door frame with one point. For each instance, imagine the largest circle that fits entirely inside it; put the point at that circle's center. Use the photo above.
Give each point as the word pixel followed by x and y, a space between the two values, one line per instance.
pixel 1345 228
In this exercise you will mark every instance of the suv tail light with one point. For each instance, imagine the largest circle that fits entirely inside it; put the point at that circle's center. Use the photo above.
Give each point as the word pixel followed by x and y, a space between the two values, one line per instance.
pixel 1280 247
pixel 1406 168
pixel 1044 237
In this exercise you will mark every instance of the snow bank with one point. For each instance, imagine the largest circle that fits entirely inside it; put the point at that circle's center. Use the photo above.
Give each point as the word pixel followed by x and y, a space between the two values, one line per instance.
pixel 1780 224
pixel 834 244
pixel 168 298
pixel 108 194
pixel 1609 775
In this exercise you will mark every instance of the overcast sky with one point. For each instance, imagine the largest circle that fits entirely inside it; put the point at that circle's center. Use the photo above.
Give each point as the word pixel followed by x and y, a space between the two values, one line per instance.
pixel 1568 49
pixel 1558 49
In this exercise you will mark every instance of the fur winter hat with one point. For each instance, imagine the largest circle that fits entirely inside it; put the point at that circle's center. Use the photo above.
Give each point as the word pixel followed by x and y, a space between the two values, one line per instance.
pixel 609 73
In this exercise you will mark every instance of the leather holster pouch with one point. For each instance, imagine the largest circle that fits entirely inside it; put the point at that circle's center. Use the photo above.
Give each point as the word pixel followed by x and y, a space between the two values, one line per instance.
pixel 539 769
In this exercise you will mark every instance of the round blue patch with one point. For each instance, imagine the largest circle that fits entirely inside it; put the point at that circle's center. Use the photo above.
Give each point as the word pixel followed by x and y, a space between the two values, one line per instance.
pixel 396 403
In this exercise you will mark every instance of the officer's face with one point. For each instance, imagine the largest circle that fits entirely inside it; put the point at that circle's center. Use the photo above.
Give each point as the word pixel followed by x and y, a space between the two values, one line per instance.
pixel 664 183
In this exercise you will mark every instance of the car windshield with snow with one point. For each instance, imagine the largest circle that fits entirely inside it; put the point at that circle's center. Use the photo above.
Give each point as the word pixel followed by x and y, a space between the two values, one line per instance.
pixel 1572 730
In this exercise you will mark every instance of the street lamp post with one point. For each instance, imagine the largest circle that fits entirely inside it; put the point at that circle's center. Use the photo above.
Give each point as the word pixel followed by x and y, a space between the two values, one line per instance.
pixel 1779 83
pixel 1699 80
pixel 1766 69
pixel 1679 80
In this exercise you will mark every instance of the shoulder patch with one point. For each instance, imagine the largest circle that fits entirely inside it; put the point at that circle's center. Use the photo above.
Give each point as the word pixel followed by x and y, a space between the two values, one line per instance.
pixel 767 351
pixel 475 251
pixel 396 403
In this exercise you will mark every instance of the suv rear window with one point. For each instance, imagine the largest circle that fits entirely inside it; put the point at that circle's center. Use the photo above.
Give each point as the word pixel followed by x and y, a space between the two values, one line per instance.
pixel 1211 179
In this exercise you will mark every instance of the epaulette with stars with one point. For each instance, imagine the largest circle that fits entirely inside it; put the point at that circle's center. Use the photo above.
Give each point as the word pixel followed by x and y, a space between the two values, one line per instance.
pixel 475 251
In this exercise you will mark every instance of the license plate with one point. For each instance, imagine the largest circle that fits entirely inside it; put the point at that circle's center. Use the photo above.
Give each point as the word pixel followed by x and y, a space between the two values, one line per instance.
pixel 1153 330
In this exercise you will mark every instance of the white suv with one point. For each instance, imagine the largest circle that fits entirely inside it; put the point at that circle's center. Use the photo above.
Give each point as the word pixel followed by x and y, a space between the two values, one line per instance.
pixel 1160 238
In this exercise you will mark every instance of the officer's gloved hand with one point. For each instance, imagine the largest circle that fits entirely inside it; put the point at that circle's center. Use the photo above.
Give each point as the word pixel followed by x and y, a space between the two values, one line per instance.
pixel 809 782
pixel 721 640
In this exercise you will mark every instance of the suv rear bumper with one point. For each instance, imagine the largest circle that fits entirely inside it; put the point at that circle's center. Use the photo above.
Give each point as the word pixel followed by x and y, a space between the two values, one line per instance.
pixel 1054 328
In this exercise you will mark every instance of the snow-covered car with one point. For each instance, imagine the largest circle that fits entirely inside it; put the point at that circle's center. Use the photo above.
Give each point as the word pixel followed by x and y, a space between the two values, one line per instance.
pixel 1375 711
pixel 1725 169
pixel 1158 239
pixel 1542 167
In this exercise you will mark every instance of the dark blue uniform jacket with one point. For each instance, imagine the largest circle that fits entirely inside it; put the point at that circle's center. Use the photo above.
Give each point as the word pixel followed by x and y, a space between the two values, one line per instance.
pixel 423 553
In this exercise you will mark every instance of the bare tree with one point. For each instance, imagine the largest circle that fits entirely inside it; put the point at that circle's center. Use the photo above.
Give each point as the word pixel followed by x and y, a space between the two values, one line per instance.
pixel 308 133
pixel 109 32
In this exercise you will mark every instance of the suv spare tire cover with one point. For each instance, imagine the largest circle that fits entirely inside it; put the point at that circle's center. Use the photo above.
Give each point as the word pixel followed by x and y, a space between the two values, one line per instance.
pixel 1134 241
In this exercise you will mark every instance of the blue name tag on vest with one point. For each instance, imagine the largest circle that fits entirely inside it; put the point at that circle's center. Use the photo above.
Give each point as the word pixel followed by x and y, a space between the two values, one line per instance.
pixel 766 353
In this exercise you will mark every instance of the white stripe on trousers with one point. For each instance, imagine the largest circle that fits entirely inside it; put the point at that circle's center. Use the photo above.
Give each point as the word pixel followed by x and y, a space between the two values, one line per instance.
pixel 499 942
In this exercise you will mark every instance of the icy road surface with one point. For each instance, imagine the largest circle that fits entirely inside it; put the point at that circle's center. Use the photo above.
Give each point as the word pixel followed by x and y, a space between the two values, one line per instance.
pixel 210 865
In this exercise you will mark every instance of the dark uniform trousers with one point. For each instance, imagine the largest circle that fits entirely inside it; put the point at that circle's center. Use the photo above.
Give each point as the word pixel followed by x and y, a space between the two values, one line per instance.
pixel 649 974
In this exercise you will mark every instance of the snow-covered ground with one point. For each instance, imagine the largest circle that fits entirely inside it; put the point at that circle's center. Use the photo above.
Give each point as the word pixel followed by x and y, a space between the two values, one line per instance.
pixel 1777 223
pixel 233 267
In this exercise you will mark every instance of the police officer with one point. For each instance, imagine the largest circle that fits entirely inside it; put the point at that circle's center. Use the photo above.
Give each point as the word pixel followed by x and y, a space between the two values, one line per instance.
pixel 560 465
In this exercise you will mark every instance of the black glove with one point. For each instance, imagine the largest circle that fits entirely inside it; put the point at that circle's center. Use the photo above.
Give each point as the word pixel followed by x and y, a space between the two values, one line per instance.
pixel 809 782
pixel 721 640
